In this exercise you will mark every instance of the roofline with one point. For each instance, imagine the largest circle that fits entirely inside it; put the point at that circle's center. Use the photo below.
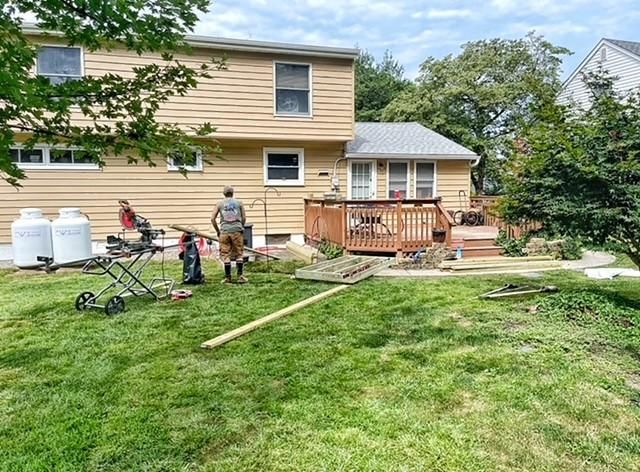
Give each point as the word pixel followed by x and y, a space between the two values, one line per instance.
pixel 393 155
pixel 245 45
pixel 589 56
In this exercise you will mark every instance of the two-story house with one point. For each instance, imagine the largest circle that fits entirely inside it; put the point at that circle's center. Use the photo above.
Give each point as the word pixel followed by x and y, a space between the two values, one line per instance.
pixel 620 59
pixel 284 115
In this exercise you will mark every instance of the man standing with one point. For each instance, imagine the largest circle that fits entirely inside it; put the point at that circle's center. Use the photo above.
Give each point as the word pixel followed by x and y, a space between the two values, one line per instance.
pixel 230 233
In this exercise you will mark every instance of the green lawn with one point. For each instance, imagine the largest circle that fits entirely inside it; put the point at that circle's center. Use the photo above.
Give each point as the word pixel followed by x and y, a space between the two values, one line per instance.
pixel 388 375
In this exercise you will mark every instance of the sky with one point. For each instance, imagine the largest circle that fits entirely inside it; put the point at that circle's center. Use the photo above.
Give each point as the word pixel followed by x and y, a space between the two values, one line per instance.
pixel 416 29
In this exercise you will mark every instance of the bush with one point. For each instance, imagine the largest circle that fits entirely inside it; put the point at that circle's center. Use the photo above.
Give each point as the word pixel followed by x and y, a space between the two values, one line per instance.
pixel 331 250
pixel 571 249
pixel 513 247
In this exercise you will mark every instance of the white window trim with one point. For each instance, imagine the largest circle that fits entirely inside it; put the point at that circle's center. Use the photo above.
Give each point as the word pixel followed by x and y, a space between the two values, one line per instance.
pixel 374 178
pixel 389 162
pixel 46 159
pixel 82 67
pixel 198 167
pixel 299 182
pixel 435 177
pixel 275 102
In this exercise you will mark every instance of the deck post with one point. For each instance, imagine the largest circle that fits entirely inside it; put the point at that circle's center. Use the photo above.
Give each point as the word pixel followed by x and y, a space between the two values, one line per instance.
pixel 399 229
pixel 343 223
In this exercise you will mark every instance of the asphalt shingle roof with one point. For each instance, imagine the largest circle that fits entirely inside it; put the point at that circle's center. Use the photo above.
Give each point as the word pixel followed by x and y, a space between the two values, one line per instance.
pixel 404 139
pixel 631 46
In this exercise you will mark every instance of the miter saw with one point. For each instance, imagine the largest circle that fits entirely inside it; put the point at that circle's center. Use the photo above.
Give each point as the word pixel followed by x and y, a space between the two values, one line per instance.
pixel 130 220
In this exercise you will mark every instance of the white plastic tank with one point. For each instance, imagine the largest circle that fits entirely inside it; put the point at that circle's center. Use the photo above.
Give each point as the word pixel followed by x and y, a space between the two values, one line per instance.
pixel 30 238
pixel 71 233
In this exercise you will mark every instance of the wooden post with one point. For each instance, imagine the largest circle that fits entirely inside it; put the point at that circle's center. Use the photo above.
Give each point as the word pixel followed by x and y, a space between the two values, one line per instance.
pixel 344 225
pixel 399 229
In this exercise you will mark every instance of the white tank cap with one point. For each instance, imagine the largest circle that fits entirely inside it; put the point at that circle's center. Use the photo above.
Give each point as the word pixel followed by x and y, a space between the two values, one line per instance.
pixel 31 213
pixel 69 212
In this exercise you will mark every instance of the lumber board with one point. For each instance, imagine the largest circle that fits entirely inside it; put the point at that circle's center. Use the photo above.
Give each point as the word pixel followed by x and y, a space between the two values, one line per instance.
pixel 515 267
pixel 496 259
pixel 321 265
pixel 344 265
pixel 213 237
pixel 500 265
pixel 306 254
pixel 342 271
pixel 242 330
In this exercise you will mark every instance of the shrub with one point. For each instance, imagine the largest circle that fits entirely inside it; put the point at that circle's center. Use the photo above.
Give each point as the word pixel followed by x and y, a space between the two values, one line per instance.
pixel 513 247
pixel 331 250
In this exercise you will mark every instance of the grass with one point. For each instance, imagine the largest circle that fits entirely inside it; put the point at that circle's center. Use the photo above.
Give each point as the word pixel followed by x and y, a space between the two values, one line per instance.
pixel 388 375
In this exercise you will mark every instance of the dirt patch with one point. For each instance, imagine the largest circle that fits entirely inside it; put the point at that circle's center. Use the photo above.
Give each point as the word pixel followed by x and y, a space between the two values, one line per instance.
pixel 461 320
pixel 633 382
pixel 513 326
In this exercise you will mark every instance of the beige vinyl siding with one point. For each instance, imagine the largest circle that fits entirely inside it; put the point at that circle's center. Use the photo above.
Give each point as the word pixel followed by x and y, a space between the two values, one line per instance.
pixel 167 197
pixel 618 64
pixel 451 177
pixel 239 100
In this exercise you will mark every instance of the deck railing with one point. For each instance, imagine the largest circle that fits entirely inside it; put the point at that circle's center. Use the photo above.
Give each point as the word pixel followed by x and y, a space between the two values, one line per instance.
pixel 400 226
pixel 486 206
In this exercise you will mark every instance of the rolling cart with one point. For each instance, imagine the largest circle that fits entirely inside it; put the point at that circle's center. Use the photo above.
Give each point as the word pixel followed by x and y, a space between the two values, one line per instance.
pixel 127 277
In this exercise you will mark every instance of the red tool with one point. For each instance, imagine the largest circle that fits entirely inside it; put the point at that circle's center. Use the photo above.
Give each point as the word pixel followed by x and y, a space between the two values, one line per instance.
pixel 181 294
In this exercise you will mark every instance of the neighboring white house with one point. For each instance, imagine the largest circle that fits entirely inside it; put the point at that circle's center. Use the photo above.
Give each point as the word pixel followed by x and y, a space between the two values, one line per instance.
pixel 621 59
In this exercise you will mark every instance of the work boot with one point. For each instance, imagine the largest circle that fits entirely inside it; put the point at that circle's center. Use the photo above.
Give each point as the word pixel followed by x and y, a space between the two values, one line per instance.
pixel 242 279
pixel 226 280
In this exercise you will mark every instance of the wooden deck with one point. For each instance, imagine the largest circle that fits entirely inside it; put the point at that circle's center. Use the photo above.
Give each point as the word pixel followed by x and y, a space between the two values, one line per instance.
pixel 377 226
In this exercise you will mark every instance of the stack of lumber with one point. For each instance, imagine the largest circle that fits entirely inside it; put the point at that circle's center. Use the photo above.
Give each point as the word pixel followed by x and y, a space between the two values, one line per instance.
pixel 499 265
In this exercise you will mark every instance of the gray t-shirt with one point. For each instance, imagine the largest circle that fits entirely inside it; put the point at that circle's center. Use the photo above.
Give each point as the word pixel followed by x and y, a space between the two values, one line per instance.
pixel 231 211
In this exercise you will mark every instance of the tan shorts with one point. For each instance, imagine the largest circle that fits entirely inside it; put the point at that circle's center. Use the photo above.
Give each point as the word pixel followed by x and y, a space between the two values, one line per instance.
pixel 231 246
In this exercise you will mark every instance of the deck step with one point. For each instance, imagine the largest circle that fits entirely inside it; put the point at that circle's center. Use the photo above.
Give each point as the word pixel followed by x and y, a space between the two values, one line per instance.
pixel 469 243
pixel 482 251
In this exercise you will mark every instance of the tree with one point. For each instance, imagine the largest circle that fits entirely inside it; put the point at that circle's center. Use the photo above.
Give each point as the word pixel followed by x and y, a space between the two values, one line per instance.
pixel 377 84
pixel 482 97
pixel 119 112
pixel 579 173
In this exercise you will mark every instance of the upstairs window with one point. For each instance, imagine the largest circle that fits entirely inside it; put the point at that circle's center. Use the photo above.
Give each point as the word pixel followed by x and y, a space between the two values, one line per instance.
pixel 176 161
pixel 60 64
pixel 292 89
pixel 284 167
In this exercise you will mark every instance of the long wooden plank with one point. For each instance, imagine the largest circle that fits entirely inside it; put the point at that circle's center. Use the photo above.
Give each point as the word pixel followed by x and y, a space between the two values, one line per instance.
pixel 242 330
pixel 213 237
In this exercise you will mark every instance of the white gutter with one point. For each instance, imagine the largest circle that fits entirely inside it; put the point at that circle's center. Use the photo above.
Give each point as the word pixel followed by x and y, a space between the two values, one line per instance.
pixel 392 156
pixel 243 45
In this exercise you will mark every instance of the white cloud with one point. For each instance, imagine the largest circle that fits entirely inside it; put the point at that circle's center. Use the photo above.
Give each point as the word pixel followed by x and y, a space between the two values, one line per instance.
pixel 443 14
pixel 416 29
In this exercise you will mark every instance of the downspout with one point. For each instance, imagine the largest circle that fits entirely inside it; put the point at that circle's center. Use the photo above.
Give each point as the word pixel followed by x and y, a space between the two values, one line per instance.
pixel 475 162
pixel 335 181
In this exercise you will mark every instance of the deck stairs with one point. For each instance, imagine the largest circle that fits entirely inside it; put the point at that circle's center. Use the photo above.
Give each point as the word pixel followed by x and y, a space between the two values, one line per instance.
pixel 476 246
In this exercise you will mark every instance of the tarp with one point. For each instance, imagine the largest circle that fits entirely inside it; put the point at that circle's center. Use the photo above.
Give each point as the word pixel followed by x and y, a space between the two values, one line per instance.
pixel 610 273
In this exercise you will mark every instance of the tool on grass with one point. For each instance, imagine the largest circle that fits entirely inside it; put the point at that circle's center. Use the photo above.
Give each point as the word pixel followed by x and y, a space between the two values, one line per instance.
pixel 124 263
pixel 181 294
pixel 512 290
